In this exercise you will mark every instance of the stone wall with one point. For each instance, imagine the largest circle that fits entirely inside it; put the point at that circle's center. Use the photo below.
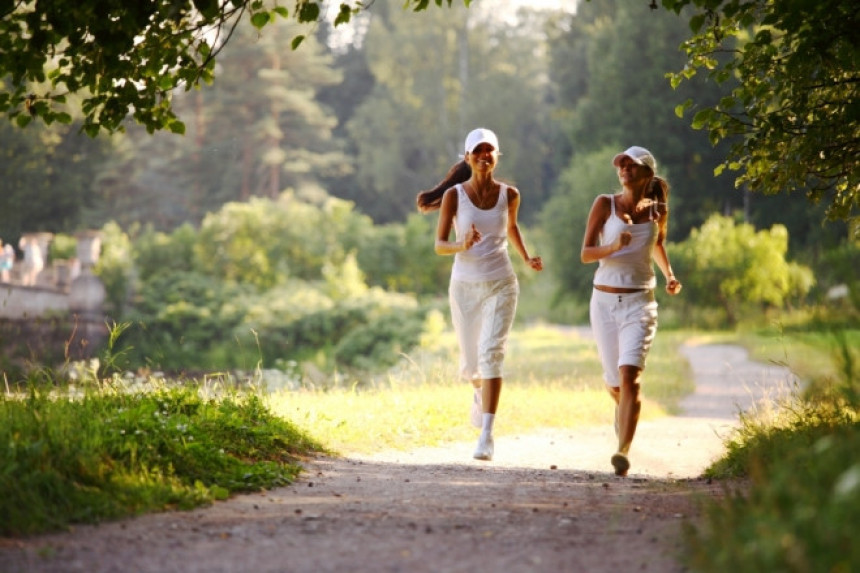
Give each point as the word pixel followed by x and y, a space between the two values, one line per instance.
pixel 56 312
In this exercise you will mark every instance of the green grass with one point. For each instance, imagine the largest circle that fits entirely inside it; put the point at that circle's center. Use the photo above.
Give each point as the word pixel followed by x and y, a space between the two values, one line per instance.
pixel 76 457
pixel 71 455
pixel 553 379
pixel 799 502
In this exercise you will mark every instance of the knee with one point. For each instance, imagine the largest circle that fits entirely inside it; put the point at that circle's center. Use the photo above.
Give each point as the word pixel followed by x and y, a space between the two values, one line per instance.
pixel 630 379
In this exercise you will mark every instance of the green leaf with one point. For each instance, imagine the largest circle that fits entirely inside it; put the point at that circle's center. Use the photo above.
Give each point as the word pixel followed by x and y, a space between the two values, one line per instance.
pixel 727 102
pixel 702 118
pixel 682 107
pixel 176 127
pixel 309 12
pixel 343 15
pixel 23 120
pixel 260 19
pixel 297 41
pixel 696 23
pixel 209 8
pixel 165 82
pixel 763 37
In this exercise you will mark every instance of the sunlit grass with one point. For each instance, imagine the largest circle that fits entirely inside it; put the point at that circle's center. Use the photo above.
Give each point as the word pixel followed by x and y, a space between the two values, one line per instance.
pixel 801 500
pixel 553 380
pixel 104 454
pixel 811 355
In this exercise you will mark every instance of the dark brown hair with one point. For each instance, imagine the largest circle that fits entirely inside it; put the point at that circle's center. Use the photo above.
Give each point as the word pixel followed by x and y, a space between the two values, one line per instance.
pixel 431 199
pixel 658 189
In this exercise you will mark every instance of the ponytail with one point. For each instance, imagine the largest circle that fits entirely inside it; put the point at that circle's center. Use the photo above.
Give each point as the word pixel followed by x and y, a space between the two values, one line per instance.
pixel 431 199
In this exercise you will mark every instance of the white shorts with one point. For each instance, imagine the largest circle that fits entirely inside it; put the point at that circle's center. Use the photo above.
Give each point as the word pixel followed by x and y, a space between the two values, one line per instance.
pixel 482 313
pixel 624 326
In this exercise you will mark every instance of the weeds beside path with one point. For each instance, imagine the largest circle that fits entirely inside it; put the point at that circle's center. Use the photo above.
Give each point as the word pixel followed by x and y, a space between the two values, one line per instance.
pixel 546 503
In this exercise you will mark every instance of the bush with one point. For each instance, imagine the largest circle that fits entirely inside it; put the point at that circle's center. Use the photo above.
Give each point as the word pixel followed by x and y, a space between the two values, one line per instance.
pixel 179 318
pixel 800 512
pixel 802 504
pixel 110 454
pixel 381 343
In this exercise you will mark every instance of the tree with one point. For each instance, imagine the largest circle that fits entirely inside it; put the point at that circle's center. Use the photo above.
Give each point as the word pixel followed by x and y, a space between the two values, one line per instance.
pixel 730 266
pixel 256 131
pixel 127 57
pixel 610 67
pixel 793 119
pixel 411 128
pixel 45 178
pixel 565 214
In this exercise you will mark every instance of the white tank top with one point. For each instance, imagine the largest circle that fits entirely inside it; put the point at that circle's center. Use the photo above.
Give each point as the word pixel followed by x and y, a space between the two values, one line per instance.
pixel 632 266
pixel 488 259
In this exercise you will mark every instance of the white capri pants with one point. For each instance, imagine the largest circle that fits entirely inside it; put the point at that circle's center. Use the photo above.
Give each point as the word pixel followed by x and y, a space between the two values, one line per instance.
pixel 624 325
pixel 482 314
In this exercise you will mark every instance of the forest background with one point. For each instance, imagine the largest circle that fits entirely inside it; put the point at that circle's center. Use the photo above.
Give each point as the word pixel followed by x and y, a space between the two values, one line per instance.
pixel 281 231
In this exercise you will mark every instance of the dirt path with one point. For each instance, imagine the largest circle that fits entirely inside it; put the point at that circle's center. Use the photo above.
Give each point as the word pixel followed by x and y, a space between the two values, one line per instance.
pixel 546 503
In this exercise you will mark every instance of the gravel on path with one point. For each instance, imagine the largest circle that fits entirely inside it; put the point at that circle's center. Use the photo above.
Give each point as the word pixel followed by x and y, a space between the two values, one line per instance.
pixel 547 502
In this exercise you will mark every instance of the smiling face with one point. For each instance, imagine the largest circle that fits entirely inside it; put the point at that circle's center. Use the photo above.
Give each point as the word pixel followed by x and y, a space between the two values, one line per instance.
pixel 483 157
pixel 631 174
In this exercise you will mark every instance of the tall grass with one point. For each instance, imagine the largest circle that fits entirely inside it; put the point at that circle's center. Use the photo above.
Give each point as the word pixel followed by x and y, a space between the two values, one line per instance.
pixel 552 379
pixel 84 457
pixel 800 502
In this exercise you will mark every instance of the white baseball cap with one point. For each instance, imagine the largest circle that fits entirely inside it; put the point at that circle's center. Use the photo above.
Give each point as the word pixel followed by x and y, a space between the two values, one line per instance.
pixel 638 155
pixel 481 135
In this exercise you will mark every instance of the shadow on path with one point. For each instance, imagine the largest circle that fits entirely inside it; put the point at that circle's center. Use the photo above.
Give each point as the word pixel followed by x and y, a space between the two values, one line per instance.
pixel 682 446
pixel 546 503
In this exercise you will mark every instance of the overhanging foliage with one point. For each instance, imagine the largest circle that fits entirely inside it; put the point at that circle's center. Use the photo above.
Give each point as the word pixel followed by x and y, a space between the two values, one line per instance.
pixel 794 116
pixel 125 58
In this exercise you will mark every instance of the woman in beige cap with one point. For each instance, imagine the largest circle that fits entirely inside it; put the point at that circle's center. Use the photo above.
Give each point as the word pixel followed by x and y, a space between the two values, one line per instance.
pixel 484 288
pixel 624 234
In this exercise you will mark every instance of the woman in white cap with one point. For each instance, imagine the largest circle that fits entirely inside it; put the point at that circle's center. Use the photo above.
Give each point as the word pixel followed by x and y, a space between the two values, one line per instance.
pixel 624 234
pixel 484 288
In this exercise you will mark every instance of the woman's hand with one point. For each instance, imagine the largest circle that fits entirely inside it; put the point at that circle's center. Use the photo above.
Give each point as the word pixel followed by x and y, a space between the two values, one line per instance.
pixel 622 241
pixel 673 285
pixel 535 262
pixel 473 235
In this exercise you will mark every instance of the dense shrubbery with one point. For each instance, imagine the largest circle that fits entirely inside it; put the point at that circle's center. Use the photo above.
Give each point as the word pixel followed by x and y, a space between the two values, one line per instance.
pixel 380 343
pixel 108 454
pixel 799 504
pixel 273 280
pixel 733 267
pixel 266 282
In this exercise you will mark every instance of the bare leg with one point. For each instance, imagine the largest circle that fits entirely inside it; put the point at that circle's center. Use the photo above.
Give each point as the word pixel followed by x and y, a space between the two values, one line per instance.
pixel 614 392
pixel 629 406
pixel 491 389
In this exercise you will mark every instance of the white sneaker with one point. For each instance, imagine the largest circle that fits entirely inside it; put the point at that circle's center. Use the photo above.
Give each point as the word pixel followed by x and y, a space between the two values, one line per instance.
pixel 477 409
pixel 484 451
